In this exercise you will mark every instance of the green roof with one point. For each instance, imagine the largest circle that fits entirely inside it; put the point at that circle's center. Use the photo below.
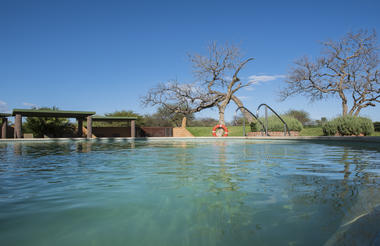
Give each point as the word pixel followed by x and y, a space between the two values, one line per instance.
pixel 2 115
pixel 52 113
pixel 112 118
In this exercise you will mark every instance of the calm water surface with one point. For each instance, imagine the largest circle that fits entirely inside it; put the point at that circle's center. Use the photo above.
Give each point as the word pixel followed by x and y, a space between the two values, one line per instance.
pixel 190 192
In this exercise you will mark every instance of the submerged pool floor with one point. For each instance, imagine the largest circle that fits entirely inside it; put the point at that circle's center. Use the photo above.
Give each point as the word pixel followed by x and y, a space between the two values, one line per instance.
pixel 188 192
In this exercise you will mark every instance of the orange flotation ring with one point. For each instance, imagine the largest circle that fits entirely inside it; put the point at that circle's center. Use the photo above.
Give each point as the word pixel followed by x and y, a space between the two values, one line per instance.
pixel 220 126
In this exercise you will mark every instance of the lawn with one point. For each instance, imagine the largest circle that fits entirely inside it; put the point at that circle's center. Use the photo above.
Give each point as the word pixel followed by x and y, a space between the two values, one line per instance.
pixel 203 131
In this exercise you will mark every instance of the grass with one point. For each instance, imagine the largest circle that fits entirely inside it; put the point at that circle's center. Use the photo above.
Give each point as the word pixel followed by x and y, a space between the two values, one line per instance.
pixel 204 131
pixel 312 131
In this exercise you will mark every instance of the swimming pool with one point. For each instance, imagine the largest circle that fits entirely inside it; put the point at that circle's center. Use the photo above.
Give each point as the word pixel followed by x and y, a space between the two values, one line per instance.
pixel 185 192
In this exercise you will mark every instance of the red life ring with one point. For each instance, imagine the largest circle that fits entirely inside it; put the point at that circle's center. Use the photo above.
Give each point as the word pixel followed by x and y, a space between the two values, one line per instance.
pixel 220 126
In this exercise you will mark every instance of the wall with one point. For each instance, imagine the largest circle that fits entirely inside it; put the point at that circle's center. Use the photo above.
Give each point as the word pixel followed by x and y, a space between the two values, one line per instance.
pixel 126 131
pixel 273 134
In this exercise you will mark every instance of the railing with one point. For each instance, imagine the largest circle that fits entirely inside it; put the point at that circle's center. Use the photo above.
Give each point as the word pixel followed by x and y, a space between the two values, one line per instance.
pixel 254 116
pixel 264 126
pixel 286 129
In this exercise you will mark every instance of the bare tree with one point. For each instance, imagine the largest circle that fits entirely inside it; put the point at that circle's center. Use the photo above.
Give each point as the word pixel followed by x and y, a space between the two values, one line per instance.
pixel 180 98
pixel 217 82
pixel 348 68
pixel 219 73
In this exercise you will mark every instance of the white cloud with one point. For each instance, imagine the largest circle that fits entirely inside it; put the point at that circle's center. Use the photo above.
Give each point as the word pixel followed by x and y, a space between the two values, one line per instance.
pixel 243 98
pixel 255 79
pixel 32 105
pixel 3 106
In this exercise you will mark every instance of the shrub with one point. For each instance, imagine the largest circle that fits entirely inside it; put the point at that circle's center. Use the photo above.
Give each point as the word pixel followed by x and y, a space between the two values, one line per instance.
pixel 300 115
pixel 254 126
pixel 329 128
pixel 52 127
pixel 376 125
pixel 348 125
pixel 276 125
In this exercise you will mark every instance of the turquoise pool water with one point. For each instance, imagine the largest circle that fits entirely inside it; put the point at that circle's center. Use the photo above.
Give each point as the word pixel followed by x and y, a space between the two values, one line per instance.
pixel 185 192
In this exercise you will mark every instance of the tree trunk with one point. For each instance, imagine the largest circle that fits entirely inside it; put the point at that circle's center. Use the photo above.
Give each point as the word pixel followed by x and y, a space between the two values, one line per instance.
pixel 344 103
pixel 221 115
pixel 239 103
pixel 183 125
pixel 357 111
pixel 344 108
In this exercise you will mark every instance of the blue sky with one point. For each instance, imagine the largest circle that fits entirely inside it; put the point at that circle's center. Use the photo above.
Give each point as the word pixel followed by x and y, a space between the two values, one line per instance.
pixel 104 55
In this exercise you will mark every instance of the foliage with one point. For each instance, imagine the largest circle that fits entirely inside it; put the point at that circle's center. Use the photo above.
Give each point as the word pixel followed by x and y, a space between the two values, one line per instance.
pixel 330 128
pixel 254 126
pixel 203 122
pixel 322 121
pixel 122 113
pixel 300 115
pixel 52 127
pixel 238 131
pixel 376 125
pixel 165 114
pixel 348 126
pixel 275 124
pixel 157 120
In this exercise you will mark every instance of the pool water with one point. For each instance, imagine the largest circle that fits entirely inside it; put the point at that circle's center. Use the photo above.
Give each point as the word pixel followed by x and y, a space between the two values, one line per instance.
pixel 184 192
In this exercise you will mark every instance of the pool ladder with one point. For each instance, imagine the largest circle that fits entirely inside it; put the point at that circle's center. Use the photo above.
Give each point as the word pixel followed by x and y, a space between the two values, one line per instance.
pixel 264 126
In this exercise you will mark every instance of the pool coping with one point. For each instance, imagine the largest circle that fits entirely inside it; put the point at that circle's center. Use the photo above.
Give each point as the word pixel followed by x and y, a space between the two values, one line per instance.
pixel 373 139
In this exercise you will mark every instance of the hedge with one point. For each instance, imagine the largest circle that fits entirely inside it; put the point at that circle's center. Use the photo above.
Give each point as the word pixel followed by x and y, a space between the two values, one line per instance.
pixel 348 126
pixel 376 125
pixel 276 125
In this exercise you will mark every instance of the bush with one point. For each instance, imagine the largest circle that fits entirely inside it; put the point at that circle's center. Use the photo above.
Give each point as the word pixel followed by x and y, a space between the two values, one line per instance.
pixel 254 126
pixel 348 126
pixel 52 127
pixel 376 125
pixel 276 125
pixel 300 115
pixel 329 128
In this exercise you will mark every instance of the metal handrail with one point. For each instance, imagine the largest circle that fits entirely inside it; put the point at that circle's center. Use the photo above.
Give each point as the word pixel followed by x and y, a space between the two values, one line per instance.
pixel 254 116
pixel 286 129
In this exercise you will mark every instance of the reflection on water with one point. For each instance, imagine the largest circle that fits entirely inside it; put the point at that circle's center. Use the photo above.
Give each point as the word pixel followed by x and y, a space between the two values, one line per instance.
pixel 193 192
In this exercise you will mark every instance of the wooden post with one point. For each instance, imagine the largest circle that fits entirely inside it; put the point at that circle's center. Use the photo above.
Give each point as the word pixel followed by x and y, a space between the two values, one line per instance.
pixel 4 126
pixel 18 124
pixel 80 127
pixel 89 127
pixel 133 129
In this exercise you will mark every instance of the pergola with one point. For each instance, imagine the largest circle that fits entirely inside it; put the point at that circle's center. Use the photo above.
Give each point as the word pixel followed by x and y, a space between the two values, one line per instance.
pixel 117 118
pixel 4 124
pixel 78 115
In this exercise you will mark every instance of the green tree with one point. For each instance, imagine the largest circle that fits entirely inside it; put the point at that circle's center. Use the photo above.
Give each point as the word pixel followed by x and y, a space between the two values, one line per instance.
pixel 300 115
pixel 50 126
pixel 127 113
pixel 203 122
pixel 166 117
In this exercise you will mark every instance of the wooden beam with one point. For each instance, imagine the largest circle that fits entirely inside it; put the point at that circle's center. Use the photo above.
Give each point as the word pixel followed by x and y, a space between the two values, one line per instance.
pixel 18 124
pixel 80 127
pixel 133 129
pixel 4 126
pixel 89 127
